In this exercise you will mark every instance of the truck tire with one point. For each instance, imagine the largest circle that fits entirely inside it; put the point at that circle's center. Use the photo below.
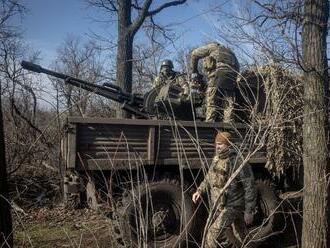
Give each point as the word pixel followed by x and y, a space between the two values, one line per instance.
pixel 269 218
pixel 155 214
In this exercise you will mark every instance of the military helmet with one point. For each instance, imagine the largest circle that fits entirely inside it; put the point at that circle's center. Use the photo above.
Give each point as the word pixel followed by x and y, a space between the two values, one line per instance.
pixel 167 62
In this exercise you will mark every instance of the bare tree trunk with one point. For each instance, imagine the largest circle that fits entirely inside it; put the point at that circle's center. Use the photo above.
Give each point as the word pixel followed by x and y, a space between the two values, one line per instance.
pixel 124 50
pixel 315 131
pixel 6 235
pixel 127 28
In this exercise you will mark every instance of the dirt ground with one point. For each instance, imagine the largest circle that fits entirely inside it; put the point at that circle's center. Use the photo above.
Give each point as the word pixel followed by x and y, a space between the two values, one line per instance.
pixel 59 227
pixel 40 220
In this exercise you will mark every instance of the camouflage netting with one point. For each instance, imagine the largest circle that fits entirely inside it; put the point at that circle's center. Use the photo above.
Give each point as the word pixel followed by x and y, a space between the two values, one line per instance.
pixel 283 117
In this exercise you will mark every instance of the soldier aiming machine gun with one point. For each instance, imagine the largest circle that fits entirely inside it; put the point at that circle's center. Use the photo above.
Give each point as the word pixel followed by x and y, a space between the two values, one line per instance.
pixel 167 102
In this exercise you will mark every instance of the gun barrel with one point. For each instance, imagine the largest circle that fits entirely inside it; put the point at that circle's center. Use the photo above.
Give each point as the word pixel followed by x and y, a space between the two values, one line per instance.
pixel 31 66
pixel 39 69
pixel 130 102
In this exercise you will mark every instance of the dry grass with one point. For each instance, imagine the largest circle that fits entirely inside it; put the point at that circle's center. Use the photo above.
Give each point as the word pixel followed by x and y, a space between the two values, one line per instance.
pixel 98 232
pixel 58 227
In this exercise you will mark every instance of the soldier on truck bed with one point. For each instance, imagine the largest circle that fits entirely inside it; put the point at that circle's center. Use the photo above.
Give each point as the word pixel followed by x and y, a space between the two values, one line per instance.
pixel 237 203
pixel 221 66
pixel 168 75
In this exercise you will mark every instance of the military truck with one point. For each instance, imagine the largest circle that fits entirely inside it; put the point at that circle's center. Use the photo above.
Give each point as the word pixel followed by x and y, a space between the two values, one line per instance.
pixel 147 168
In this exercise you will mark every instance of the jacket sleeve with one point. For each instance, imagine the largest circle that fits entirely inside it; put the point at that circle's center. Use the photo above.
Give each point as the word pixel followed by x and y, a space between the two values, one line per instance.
pixel 201 52
pixel 197 54
pixel 250 195
pixel 205 185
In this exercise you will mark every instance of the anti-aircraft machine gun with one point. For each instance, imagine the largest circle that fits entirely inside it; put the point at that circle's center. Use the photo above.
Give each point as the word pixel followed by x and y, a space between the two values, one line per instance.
pixel 169 103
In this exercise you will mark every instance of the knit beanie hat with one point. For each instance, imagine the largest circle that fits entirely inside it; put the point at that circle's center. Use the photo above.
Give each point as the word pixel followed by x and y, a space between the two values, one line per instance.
pixel 223 137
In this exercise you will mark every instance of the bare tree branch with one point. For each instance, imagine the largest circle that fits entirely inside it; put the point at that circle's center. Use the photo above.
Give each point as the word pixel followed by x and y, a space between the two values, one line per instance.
pixel 146 13
pixel 108 5
pixel 136 24
pixel 165 5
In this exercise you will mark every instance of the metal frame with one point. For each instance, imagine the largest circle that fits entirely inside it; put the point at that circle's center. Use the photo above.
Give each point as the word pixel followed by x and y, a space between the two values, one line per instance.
pixel 74 161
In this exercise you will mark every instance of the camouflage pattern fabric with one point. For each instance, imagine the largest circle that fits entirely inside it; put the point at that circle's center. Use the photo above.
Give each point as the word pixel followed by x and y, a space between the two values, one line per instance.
pixel 220 95
pixel 162 80
pixel 175 79
pixel 239 197
pixel 222 67
pixel 209 64
pixel 228 107
pixel 212 104
pixel 224 57
pixel 222 225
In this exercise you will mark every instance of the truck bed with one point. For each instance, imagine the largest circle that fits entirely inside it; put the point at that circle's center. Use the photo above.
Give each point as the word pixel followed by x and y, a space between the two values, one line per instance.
pixel 108 144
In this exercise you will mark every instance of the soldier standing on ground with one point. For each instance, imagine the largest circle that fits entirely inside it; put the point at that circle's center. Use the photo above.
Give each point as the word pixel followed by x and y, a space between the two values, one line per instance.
pixel 237 204
pixel 221 66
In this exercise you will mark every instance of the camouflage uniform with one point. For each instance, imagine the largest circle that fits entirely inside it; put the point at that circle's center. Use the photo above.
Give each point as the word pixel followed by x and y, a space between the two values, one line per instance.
pixel 221 80
pixel 239 197
pixel 175 78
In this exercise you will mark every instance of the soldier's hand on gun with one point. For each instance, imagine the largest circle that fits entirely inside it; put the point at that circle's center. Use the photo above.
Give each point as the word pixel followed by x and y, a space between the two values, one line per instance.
pixel 248 218
pixel 196 196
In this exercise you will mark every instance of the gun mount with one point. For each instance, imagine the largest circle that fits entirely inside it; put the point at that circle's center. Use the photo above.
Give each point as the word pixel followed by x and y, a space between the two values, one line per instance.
pixel 163 104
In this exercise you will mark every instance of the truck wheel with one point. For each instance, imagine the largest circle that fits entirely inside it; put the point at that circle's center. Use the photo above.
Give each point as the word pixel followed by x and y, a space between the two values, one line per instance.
pixel 158 214
pixel 269 217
